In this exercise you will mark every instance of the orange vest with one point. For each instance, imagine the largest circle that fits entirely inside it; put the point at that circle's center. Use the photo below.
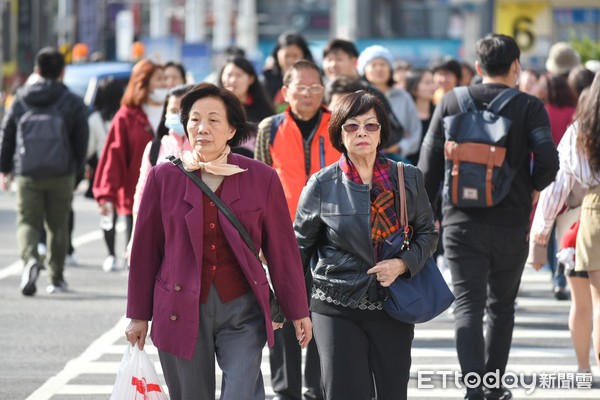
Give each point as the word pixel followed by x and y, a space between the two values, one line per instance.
pixel 288 153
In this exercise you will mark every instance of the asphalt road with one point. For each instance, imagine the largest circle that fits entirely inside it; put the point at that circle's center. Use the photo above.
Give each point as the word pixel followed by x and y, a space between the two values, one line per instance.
pixel 68 346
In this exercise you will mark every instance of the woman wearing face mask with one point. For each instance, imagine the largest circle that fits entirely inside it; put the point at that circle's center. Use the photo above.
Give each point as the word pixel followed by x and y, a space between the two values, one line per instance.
pixel 133 126
pixel 171 140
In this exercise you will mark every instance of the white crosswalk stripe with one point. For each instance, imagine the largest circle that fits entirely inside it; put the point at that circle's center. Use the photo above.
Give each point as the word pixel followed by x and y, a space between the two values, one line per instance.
pixel 541 345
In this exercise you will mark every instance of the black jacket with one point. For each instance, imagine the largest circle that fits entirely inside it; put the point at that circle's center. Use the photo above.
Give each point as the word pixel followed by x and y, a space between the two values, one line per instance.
pixel 333 230
pixel 42 93
pixel 530 150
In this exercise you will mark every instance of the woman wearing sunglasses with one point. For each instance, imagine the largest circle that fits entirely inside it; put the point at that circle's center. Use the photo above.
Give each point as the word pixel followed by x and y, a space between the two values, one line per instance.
pixel 345 214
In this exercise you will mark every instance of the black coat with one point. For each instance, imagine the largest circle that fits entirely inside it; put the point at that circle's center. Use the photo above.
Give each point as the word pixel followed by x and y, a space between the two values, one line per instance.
pixel 333 229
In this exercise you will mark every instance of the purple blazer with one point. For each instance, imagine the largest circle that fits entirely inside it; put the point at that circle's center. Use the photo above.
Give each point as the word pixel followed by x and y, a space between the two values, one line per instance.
pixel 166 257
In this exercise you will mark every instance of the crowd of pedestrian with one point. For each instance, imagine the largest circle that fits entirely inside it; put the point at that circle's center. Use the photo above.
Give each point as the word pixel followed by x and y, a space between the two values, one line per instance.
pixel 305 158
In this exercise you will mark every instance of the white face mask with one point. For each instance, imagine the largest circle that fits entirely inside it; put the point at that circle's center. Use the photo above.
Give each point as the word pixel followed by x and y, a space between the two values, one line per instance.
pixel 159 95
pixel 173 122
pixel 519 76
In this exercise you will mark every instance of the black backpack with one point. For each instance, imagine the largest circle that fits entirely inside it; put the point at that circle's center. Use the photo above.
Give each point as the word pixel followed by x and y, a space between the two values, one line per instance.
pixel 477 173
pixel 43 146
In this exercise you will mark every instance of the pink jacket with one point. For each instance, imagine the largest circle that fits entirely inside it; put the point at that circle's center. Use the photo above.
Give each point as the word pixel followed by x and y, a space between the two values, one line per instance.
pixel 171 144
pixel 166 257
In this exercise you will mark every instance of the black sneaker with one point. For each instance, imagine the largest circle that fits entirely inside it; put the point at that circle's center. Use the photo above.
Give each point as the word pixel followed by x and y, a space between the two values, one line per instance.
pixel 30 275
pixel 560 293
pixel 500 393
pixel 474 394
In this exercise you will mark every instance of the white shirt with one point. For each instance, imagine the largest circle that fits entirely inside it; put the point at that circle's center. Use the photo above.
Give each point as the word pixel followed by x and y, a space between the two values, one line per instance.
pixel 574 170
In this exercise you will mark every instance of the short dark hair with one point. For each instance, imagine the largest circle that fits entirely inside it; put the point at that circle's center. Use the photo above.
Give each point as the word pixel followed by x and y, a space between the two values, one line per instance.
pixel 179 66
pixel 50 63
pixel 447 64
pixel 290 39
pixel 353 105
pixel 495 54
pixel 579 78
pixel 340 44
pixel 298 65
pixel 413 78
pixel 236 116
pixel 342 84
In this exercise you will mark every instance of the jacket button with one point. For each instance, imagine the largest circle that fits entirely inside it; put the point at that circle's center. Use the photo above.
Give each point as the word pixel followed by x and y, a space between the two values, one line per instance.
pixel 173 317
pixel 213 267
pixel 178 287
pixel 212 204
pixel 212 225
pixel 212 247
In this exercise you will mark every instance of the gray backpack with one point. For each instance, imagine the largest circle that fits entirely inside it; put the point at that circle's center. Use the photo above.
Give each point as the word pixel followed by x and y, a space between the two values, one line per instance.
pixel 43 146
pixel 477 173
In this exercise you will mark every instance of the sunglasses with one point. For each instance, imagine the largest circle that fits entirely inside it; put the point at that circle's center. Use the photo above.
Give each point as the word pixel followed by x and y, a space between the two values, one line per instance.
pixel 371 127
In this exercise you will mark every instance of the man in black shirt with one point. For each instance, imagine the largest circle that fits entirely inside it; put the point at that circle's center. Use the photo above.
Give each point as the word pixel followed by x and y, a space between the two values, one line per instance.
pixel 486 248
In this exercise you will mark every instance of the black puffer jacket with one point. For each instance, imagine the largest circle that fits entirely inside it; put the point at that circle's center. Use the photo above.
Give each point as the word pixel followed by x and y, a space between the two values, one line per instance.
pixel 40 94
pixel 333 230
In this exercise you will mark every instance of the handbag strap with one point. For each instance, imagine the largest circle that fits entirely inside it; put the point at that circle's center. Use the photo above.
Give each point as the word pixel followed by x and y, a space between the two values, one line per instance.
pixel 220 205
pixel 402 189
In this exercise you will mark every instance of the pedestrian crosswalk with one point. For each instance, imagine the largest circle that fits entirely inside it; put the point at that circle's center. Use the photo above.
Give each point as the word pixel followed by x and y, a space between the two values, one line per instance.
pixel 542 353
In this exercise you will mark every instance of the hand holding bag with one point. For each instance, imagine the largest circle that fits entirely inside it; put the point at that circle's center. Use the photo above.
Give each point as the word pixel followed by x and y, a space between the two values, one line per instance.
pixel 423 296
pixel 137 379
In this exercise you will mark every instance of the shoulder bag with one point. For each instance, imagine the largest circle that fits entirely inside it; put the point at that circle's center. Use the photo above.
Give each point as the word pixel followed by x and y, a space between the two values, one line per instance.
pixel 276 311
pixel 425 295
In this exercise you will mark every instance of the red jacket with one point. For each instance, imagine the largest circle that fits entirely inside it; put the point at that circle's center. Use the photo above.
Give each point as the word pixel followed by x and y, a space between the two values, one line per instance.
pixel 119 165
pixel 165 274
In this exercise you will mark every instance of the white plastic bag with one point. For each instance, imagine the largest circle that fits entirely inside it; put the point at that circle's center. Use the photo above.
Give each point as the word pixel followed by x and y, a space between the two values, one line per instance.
pixel 137 379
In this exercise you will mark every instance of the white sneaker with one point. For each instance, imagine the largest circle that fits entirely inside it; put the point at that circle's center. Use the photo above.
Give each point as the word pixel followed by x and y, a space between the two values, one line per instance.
pixel 60 287
pixel 42 251
pixel 71 260
pixel 109 264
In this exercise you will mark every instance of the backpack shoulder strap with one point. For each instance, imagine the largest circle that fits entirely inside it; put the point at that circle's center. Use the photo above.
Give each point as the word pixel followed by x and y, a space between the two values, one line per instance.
pixel 502 99
pixel 154 149
pixel 465 101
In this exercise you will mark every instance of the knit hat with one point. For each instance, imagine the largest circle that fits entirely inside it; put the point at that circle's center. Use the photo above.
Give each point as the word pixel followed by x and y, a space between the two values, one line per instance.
pixel 371 53
pixel 562 58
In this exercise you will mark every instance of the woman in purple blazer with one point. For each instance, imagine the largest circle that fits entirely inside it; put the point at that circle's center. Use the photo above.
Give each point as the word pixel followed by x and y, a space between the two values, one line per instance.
pixel 191 272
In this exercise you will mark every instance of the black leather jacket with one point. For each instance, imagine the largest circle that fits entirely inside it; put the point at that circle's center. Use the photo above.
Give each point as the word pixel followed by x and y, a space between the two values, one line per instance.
pixel 333 230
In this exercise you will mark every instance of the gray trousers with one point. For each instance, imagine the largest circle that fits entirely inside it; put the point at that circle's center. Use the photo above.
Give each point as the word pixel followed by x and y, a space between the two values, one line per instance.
pixel 235 333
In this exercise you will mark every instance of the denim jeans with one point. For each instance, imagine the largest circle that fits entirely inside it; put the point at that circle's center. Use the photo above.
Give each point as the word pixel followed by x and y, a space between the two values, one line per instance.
pixel 486 264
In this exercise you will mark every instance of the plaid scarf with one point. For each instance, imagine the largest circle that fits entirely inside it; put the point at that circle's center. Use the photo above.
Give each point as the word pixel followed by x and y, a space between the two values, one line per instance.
pixel 384 221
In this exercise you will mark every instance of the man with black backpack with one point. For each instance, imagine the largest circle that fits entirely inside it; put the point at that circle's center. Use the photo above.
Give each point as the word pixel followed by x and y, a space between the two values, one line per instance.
pixel 493 149
pixel 43 142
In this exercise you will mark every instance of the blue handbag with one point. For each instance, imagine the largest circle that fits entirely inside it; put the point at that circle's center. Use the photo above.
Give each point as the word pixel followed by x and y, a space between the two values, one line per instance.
pixel 423 296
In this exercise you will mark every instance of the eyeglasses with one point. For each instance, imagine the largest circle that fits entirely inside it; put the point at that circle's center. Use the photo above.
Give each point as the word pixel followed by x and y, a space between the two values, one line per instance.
pixel 314 89
pixel 371 127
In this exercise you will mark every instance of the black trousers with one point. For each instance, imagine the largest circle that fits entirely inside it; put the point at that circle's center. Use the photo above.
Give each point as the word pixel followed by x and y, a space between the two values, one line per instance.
pixel 361 360
pixel 285 359
pixel 486 264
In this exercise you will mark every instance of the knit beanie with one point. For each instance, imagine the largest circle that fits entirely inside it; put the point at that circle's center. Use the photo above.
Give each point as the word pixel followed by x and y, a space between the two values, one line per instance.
pixel 371 53
pixel 562 58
